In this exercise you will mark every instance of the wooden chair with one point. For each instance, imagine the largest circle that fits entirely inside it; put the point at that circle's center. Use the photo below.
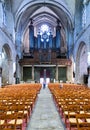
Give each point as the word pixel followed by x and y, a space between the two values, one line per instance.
pixel 86 108
pixel 84 125
pixel 4 122
pixel 19 112
pixel 73 110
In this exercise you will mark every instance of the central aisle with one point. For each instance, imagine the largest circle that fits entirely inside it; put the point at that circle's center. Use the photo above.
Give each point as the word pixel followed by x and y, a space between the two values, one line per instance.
pixel 45 115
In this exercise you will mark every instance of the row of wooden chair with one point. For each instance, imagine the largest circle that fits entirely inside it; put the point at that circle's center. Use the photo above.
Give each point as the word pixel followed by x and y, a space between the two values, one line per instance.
pixel 16 105
pixel 73 103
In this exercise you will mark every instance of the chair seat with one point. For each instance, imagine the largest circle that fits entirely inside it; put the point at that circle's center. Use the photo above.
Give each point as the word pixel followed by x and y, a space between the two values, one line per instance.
pixel 72 113
pixel 18 122
pixel 2 122
pixel 25 112
pixel 88 113
pixel 88 120
pixel 11 121
pixel 66 112
pixel 73 120
pixel 9 112
pixel 82 112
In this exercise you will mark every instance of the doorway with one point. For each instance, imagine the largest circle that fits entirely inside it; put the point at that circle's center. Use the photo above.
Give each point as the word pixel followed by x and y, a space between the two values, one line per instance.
pixel 47 73
pixel 42 80
pixel 45 76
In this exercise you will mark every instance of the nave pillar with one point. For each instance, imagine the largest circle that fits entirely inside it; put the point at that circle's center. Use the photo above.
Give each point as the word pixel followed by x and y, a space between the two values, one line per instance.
pixel 19 71
pixel 89 69
pixel 12 68
pixel 89 79
pixel 32 72
pixel 70 77
pixel 56 72
pixel 0 69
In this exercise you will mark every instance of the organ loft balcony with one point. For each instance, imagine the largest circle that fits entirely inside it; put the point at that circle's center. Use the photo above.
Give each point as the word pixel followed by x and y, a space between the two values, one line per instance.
pixel 44 56
pixel 48 46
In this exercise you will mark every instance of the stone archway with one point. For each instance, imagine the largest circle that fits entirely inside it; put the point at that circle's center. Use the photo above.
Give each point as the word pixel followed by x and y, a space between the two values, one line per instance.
pixel 7 65
pixel 81 63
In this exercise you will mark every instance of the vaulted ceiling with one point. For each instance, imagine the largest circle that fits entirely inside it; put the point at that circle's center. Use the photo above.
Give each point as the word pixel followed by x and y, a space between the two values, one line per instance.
pixel 40 11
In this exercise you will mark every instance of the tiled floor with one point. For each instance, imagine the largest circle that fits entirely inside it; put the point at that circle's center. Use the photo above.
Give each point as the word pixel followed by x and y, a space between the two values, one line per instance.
pixel 45 115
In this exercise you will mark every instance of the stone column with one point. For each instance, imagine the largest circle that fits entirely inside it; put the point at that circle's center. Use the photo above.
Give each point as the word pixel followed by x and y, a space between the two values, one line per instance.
pixel 88 67
pixel 18 72
pixel 70 74
pixel 0 69
pixel 32 72
pixel 14 71
pixel 89 76
pixel 11 73
pixel 56 72
pixel 0 76
pixel 89 81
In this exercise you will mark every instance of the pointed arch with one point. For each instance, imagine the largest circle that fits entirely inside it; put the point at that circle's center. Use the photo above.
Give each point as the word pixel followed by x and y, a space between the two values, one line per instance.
pixel 81 62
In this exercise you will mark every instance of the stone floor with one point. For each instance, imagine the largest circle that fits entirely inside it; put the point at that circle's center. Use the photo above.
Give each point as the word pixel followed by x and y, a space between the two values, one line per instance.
pixel 45 115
